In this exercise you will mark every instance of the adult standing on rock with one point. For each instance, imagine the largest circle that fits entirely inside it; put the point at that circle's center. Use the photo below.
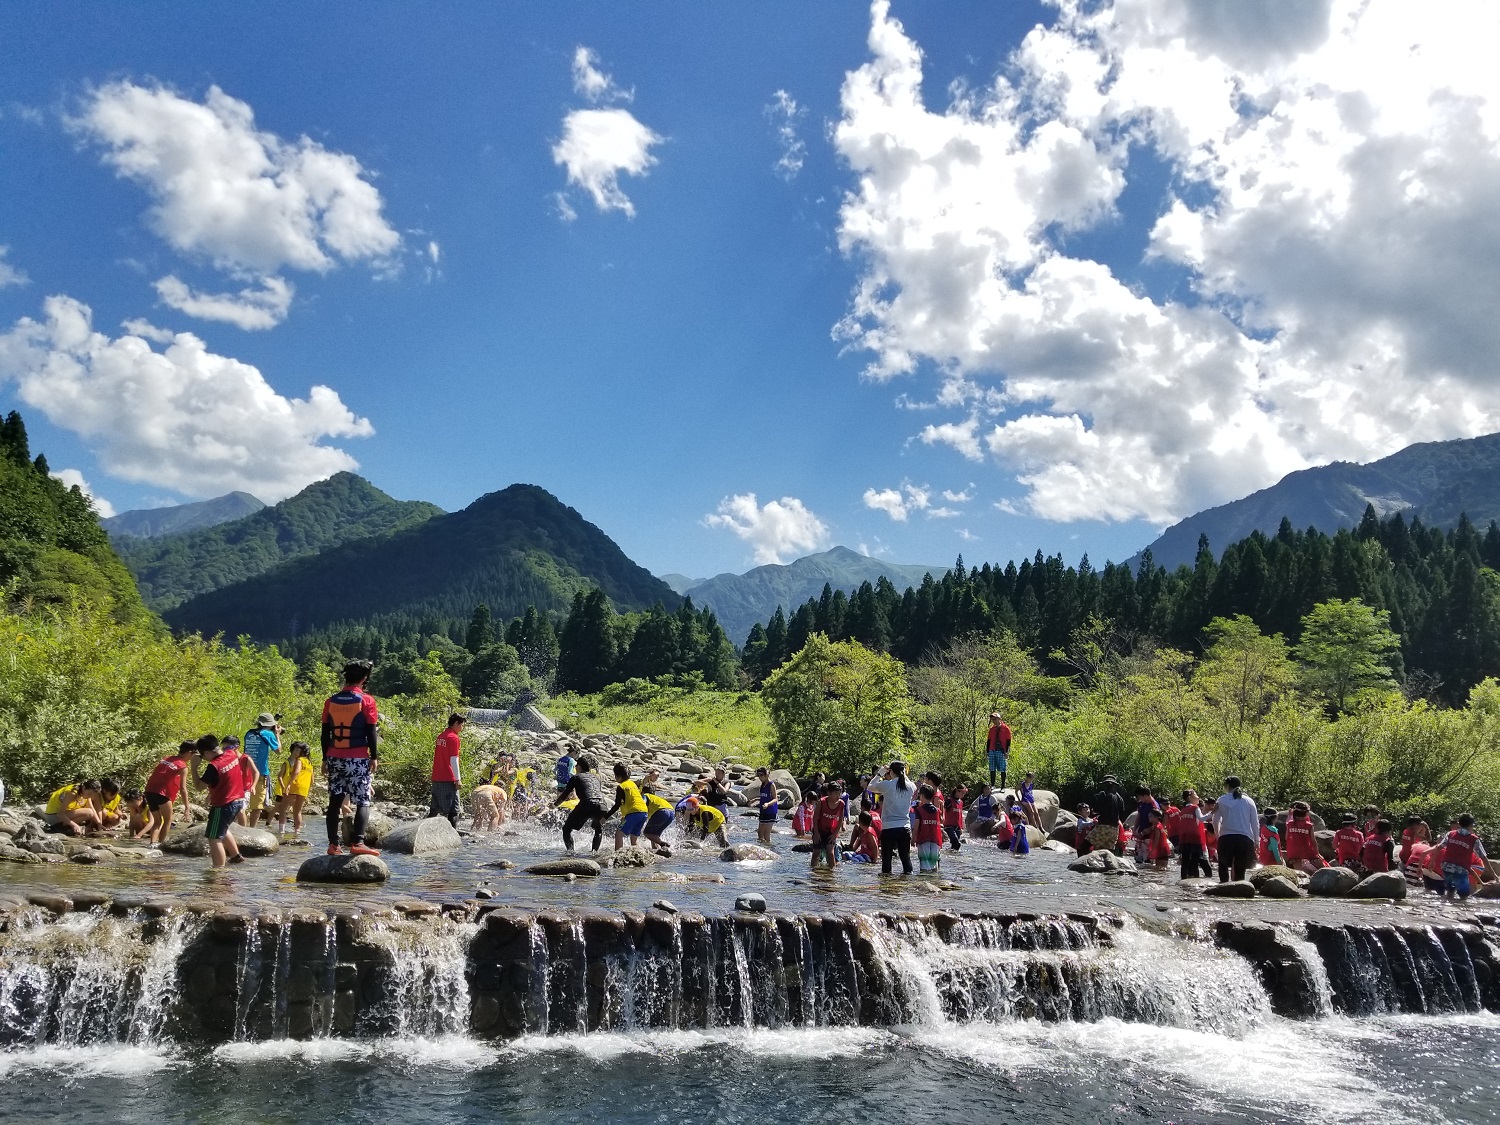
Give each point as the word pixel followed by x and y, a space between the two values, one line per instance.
pixel 1109 811
pixel 1236 823
pixel 351 753
pixel 445 771
pixel 895 792
pixel 997 748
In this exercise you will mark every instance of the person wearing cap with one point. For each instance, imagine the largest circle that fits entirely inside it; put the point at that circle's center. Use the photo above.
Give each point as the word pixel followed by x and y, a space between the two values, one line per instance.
pixel 997 748
pixel 261 741
pixel 1109 811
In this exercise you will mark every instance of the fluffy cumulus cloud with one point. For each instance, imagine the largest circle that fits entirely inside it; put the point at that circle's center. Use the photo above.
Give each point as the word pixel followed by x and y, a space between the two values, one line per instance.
pixel 1333 176
pixel 601 143
pixel 901 503
pixel 73 478
pixel 778 530
pixel 181 417
pixel 239 197
pixel 784 114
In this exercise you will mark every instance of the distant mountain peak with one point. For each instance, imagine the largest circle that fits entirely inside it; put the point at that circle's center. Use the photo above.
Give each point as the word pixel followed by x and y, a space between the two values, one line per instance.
pixel 178 519
pixel 1434 481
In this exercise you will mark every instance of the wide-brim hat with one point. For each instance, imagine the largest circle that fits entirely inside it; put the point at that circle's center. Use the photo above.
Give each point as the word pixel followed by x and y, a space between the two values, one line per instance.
pixel 265 719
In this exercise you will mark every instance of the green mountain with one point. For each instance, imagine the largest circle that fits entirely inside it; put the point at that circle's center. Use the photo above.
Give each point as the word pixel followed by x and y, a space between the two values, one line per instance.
pixel 152 523
pixel 510 549
pixel 741 600
pixel 328 513
pixel 51 545
pixel 1434 481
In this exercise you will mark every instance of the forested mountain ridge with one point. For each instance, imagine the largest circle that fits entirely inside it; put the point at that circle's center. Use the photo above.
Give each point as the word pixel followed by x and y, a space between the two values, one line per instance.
pixel 741 600
pixel 510 549
pixel 1434 481
pixel 1440 588
pixel 152 523
pixel 51 545
pixel 325 514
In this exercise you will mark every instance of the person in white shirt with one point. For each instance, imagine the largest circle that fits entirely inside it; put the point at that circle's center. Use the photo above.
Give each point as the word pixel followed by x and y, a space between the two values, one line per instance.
pixel 1236 823
pixel 895 791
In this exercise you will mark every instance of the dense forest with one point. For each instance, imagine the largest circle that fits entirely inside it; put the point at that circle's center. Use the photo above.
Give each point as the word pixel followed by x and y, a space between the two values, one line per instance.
pixel 1439 588
pixel 51 545
pixel 174 568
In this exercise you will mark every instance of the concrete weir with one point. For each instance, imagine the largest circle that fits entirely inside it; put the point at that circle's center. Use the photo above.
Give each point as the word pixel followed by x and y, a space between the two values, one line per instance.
pixel 90 969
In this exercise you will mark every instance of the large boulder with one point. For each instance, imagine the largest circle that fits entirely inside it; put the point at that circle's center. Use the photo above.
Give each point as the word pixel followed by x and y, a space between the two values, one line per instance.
pixel 377 828
pixel 751 903
pixel 629 857
pixel 1332 882
pixel 251 841
pixel 432 836
pixel 575 865
pixel 741 853
pixel 1326 848
pixel 1276 871
pixel 1237 888
pixel 343 869
pixel 1277 886
pixel 1104 863
pixel 784 780
pixel 1047 808
pixel 1382 884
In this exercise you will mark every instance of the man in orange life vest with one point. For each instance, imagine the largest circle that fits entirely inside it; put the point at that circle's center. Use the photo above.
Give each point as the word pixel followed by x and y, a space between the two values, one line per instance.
pixel 997 748
pixel 351 751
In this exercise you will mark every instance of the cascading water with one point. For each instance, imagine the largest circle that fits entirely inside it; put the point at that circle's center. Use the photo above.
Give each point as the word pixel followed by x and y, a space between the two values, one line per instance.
pixel 1398 969
pixel 420 989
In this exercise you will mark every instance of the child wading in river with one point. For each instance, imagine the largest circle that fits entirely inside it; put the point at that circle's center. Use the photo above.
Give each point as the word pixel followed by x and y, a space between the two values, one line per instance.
pixel 828 820
pixel 929 834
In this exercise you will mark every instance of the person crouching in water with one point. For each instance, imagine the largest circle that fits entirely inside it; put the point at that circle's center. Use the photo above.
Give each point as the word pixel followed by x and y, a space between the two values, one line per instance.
pixel 953 815
pixel 705 820
pixel 929 831
pixel 660 818
pixel 1348 843
pixel 828 821
pixel 293 784
pixel 865 846
pixel 631 806
pixel 586 786
pixel 1379 850
pixel 1301 840
pixel 224 777
pixel 1460 848
pixel 1020 839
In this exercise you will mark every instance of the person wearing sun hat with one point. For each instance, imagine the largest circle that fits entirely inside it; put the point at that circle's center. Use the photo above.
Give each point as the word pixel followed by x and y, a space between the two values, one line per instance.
pixel 261 741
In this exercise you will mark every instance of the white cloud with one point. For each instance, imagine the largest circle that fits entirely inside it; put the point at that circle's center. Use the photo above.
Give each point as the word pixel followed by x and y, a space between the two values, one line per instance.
pixel 1334 169
pixel 943 513
pixel 251 308
pixel 599 145
pixel 778 529
pixel 9 274
pixel 959 497
pixel 967 536
pixel 590 80
pixel 240 197
pixel 73 478
pixel 898 503
pixel 784 113
pixel 182 418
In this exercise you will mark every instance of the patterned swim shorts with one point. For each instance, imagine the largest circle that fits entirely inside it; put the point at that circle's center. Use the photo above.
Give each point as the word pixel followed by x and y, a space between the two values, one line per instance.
pixel 349 777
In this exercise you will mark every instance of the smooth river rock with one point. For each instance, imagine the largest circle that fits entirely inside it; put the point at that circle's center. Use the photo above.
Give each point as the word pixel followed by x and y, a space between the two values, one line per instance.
pixel 1382 884
pixel 251 841
pixel 752 903
pixel 1235 888
pixel 1104 863
pixel 343 869
pixel 741 853
pixel 630 857
pixel 1275 871
pixel 1277 886
pixel 432 836
pixel 574 866
pixel 1332 882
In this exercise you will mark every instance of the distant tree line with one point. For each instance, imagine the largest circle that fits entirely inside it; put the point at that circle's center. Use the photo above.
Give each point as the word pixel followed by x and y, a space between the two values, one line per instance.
pixel 1439 588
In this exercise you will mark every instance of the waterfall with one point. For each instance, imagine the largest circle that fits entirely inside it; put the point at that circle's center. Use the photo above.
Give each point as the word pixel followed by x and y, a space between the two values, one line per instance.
pixel 122 977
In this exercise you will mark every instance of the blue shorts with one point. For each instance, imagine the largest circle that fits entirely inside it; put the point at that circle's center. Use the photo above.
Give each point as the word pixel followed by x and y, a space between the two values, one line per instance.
pixel 220 817
pixel 997 761
pixel 632 824
pixel 768 813
pixel 660 821
pixel 1456 878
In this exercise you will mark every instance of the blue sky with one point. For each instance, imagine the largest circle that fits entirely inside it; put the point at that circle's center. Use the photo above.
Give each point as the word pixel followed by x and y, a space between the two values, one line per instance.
pixel 1073 327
